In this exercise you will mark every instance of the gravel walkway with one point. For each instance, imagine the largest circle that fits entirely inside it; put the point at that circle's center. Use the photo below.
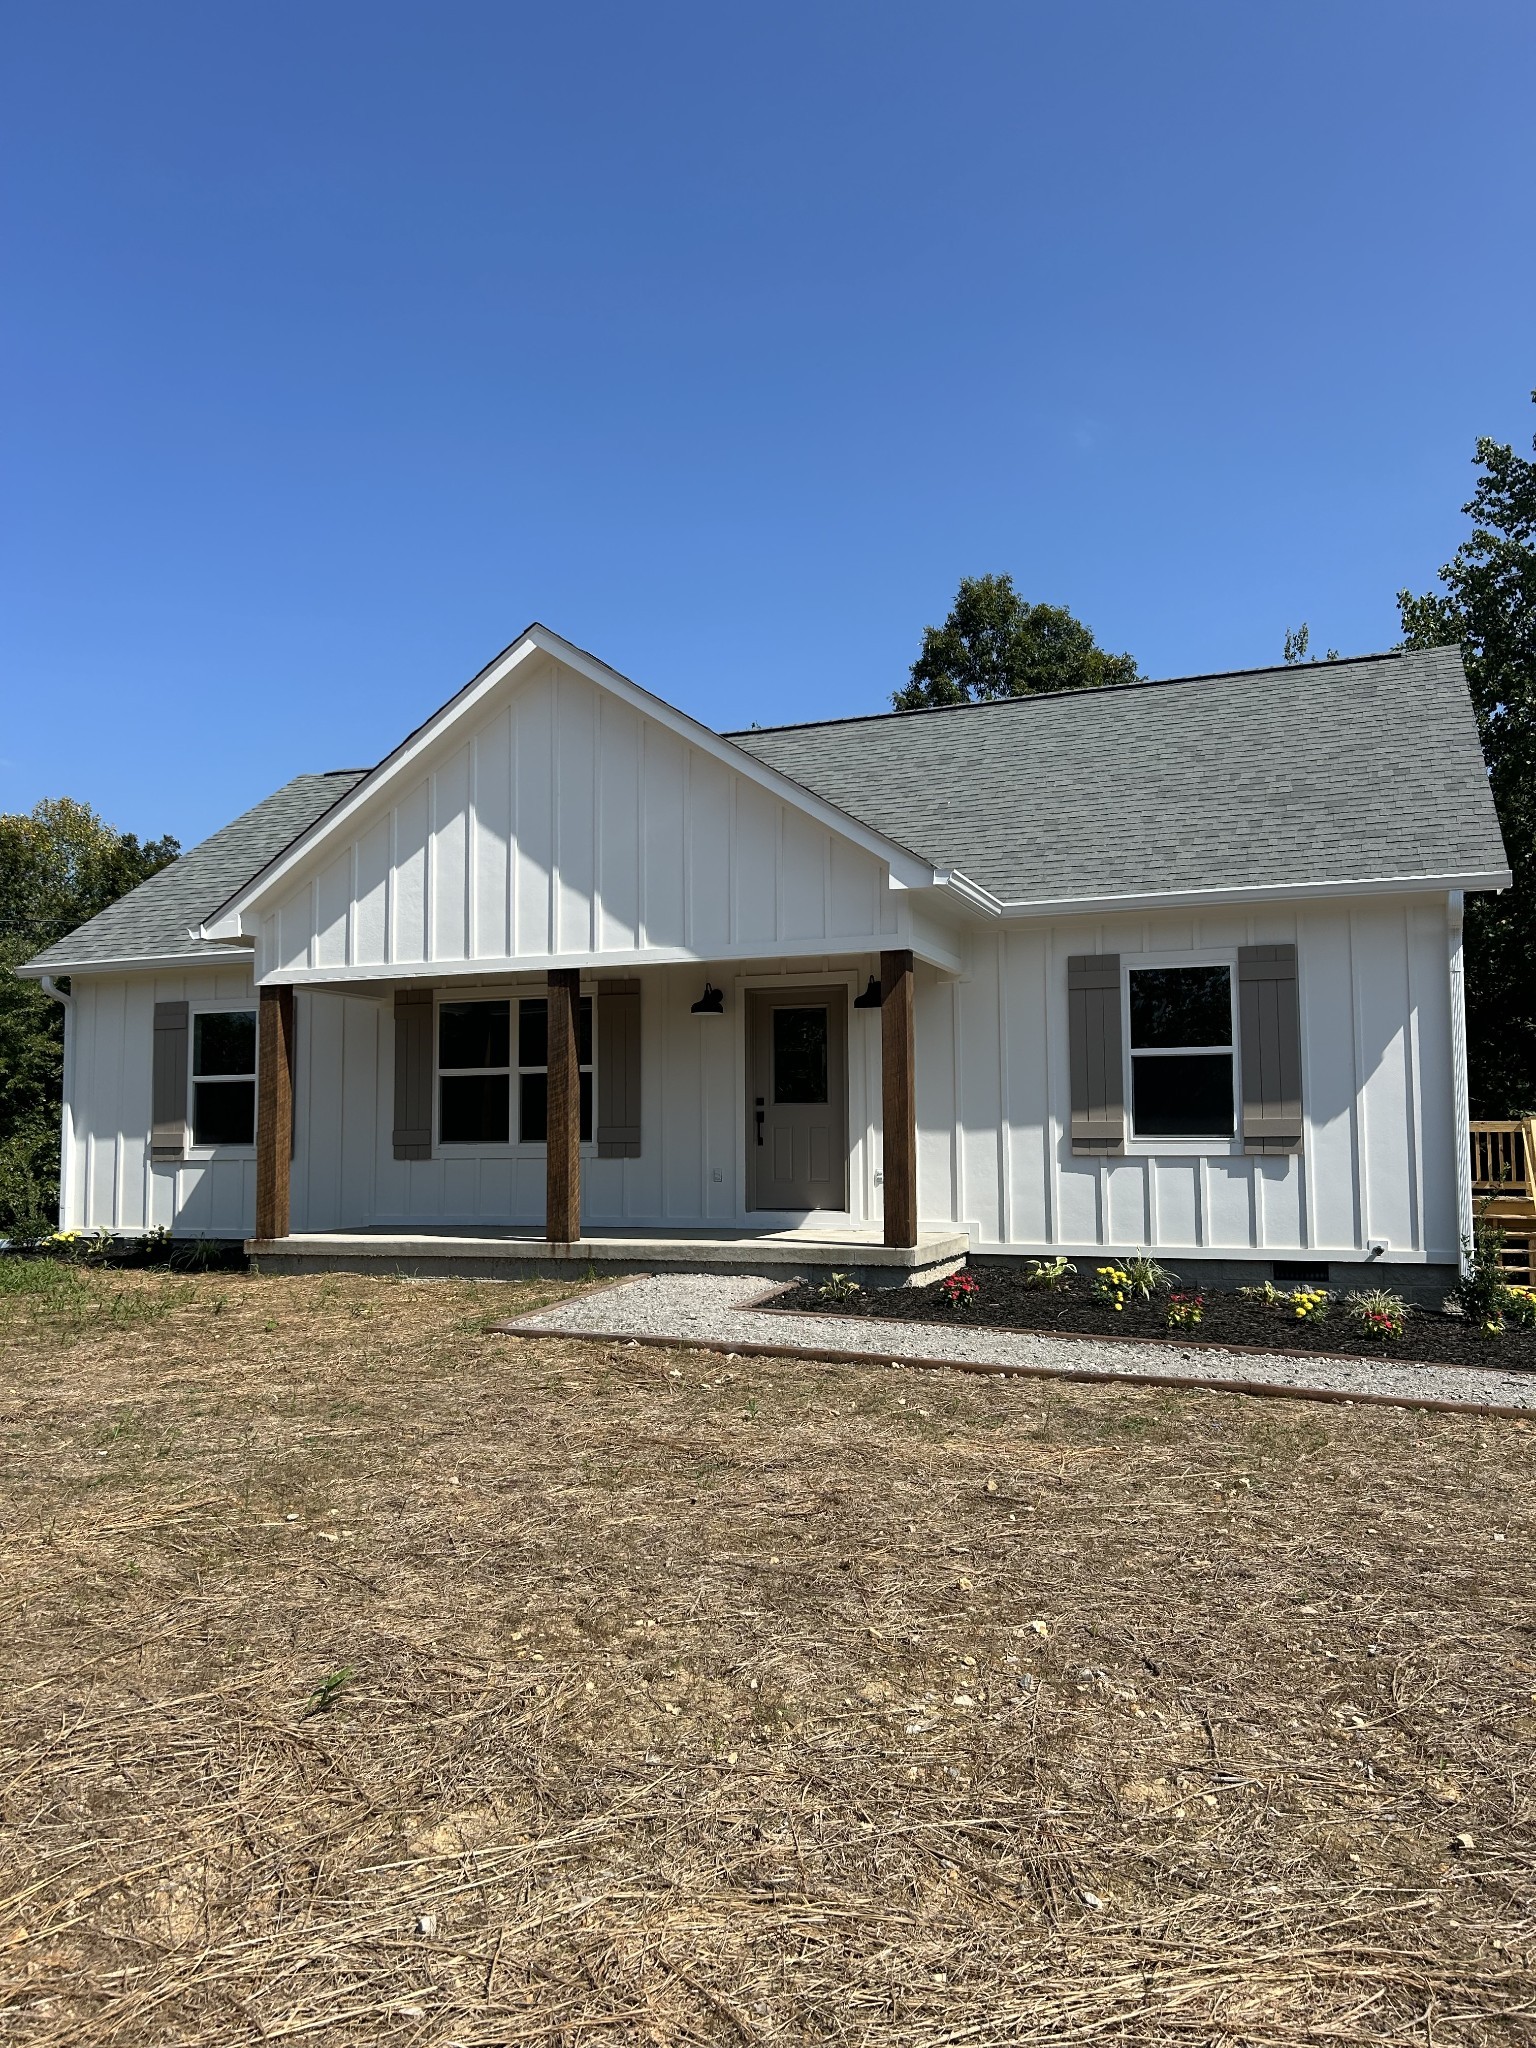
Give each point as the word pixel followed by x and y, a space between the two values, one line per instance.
pixel 706 1309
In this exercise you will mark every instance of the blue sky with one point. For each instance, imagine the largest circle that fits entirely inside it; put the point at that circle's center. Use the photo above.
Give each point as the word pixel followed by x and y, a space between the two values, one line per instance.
pixel 341 340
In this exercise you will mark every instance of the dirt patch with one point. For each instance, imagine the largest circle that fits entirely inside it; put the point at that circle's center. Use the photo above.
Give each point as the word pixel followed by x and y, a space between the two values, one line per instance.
pixel 369 1679
pixel 1003 1301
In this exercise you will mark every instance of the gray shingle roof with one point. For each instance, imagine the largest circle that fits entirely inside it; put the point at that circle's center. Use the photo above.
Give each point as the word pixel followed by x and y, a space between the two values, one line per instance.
pixel 156 920
pixel 1341 771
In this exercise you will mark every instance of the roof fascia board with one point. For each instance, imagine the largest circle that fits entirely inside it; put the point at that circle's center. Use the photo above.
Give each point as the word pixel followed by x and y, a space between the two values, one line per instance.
pixel 906 870
pixel 1267 892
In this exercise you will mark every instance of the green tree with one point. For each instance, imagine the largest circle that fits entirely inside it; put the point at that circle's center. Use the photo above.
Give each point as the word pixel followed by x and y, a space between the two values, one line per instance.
pixel 1487 607
pixel 59 865
pixel 996 644
pixel 1297 644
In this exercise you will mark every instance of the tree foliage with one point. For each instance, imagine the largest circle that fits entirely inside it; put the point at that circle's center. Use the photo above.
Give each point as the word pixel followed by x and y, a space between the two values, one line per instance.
pixel 59 865
pixel 1487 606
pixel 997 644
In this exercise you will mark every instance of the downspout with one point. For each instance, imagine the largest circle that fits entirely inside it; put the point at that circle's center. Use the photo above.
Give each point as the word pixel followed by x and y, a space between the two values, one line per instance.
pixel 67 1120
pixel 1460 1113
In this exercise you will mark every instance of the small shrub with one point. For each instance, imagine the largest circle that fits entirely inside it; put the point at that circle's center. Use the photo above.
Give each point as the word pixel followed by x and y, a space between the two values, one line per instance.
pixel 1145 1277
pixel 959 1292
pixel 1483 1289
pixel 1049 1274
pixel 1378 1314
pixel 1521 1312
pixel 1307 1304
pixel 1265 1292
pixel 837 1287
pixel 1111 1285
pixel 1185 1310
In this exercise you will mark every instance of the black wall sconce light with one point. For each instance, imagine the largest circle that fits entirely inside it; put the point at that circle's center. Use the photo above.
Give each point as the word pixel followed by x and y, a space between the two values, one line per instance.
pixel 870 1000
pixel 711 1003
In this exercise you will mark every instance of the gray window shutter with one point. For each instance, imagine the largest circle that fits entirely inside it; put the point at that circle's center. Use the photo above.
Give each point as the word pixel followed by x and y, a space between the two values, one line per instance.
pixel 414 1070
pixel 618 1070
pixel 1269 1017
pixel 1098 1066
pixel 168 1136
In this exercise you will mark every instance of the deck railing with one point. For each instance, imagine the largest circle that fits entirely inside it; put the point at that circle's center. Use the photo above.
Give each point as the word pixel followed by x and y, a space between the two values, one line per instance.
pixel 1504 1189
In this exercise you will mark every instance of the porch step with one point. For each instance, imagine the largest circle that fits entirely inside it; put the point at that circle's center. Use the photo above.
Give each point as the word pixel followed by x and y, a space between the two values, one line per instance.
pixel 510 1255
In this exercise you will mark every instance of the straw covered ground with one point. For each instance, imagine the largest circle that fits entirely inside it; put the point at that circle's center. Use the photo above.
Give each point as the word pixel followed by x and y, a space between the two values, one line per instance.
pixel 369 1678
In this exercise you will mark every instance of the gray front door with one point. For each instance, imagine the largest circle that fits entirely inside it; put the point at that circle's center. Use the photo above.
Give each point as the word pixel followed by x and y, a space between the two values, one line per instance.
pixel 797 1098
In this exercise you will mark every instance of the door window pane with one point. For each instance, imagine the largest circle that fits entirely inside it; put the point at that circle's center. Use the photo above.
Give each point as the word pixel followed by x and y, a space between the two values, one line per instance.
pixel 473 1109
pixel 800 1055
pixel 472 1035
pixel 224 1042
pixel 1173 1006
pixel 223 1112
pixel 1189 1096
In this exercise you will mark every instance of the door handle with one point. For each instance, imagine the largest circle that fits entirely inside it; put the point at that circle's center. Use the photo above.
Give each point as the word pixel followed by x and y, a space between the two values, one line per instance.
pixel 759 1119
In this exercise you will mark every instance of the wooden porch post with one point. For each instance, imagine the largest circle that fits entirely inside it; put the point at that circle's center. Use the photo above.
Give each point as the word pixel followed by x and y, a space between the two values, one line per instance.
pixel 898 1093
pixel 274 1110
pixel 562 1167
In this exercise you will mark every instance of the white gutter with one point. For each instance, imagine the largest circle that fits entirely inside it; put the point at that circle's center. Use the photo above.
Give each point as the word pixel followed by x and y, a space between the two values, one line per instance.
pixel 978 898
pixel 145 963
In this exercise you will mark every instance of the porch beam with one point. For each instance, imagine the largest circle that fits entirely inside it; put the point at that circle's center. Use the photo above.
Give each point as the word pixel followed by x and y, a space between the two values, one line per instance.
pixel 562 1165
pixel 274 1110
pixel 898 1095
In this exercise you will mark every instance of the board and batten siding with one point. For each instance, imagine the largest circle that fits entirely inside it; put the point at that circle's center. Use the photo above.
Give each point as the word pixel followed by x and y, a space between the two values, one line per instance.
pixel 564 826
pixel 109 1180
pixel 1379 1160
pixel 692 1118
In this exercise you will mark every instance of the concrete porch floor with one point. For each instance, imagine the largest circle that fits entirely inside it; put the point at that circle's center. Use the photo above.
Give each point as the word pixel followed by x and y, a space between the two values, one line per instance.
pixel 488 1252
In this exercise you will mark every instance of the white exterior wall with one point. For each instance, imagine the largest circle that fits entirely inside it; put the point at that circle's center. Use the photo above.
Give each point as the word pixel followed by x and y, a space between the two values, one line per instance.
pixel 1381 1154
pixel 1381 1157
pixel 693 1116
pixel 561 826
pixel 108 1179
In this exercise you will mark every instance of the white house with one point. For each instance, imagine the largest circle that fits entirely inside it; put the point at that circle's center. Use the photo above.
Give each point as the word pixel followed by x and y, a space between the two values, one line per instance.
pixel 1175 966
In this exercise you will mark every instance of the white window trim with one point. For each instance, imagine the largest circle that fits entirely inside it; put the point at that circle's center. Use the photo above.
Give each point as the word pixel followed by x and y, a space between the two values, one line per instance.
pixel 228 1006
pixel 1210 1147
pixel 513 1148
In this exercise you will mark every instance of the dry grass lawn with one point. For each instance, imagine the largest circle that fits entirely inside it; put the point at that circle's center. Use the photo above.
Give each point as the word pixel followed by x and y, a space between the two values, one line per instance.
pixel 369 1678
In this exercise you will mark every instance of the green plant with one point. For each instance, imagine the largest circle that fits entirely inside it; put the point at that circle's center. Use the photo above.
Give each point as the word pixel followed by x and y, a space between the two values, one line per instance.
pixel 1145 1277
pixel 329 1690
pixel 1521 1312
pixel 1185 1311
pixel 1483 1289
pixel 837 1287
pixel 1266 1292
pixel 1376 1313
pixel 1049 1274
pixel 1111 1284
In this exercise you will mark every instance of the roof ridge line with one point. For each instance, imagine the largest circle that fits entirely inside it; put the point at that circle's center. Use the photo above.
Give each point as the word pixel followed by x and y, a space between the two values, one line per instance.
pixel 1218 675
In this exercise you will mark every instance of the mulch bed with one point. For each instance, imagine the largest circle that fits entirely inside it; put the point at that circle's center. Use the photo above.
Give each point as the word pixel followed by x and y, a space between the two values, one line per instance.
pixel 1003 1302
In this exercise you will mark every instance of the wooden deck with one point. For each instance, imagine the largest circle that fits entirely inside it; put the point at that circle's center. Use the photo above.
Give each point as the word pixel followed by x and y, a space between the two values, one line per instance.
pixel 1504 1189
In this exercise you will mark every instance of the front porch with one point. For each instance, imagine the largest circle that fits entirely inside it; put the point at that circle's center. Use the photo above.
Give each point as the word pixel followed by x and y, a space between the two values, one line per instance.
pixel 636 1126
pixel 477 1253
